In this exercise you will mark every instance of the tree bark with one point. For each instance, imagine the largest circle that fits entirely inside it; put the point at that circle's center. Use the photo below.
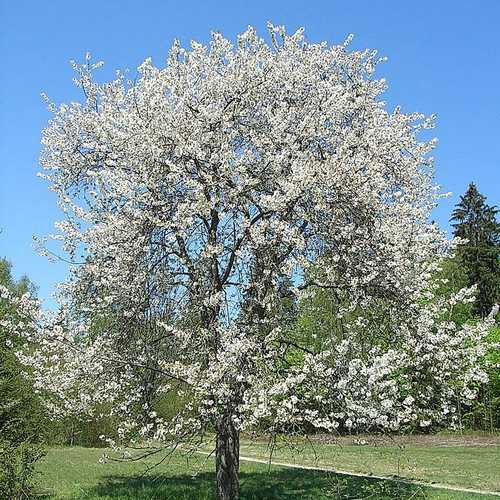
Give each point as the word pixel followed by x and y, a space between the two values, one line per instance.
pixel 227 460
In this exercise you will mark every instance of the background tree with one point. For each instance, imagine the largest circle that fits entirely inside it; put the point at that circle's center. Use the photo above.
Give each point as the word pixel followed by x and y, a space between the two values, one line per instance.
pixel 200 200
pixel 22 417
pixel 479 259
pixel 475 221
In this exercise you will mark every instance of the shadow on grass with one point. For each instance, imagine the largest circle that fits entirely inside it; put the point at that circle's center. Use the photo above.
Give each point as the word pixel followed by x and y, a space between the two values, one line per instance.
pixel 272 485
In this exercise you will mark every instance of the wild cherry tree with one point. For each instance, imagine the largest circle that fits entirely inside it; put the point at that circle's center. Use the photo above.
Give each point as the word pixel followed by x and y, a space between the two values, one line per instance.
pixel 200 195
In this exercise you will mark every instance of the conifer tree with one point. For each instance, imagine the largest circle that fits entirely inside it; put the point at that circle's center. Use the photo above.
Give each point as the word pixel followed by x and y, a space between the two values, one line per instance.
pixel 475 221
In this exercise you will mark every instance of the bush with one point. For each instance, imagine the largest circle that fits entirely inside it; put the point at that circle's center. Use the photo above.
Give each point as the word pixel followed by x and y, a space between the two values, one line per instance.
pixel 17 469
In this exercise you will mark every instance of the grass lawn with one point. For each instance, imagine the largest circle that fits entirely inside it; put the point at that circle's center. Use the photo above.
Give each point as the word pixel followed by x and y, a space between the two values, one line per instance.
pixel 74 473
pixel 475 467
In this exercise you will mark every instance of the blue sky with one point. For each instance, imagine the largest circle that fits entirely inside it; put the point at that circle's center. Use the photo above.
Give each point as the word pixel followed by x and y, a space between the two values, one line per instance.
pixel 444 58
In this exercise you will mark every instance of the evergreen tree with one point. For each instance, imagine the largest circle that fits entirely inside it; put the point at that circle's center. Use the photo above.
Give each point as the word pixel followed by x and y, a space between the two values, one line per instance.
pixel 475 221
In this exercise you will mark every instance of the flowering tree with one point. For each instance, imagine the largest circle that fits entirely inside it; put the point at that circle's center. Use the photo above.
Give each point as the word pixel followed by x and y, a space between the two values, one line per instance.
pixel 197 198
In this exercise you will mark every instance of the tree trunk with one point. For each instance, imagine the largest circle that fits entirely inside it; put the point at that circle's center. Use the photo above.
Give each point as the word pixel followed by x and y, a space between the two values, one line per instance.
pixel 227 460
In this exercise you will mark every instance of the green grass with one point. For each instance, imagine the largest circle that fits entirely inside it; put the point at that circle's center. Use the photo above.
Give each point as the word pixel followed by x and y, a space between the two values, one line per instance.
pixel 475 467
pixel 74 473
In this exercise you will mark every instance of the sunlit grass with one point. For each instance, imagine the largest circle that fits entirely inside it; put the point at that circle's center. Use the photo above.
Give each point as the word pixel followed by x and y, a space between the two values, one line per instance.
pixel 74 473
pixel 476 467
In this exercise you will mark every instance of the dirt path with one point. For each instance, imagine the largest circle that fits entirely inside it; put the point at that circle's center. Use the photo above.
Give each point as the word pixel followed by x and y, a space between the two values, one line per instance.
pixel 417 440
pixel 424 440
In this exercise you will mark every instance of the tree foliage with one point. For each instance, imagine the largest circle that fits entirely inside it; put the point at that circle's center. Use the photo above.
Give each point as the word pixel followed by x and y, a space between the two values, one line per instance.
pixel 19 407
pixel 21 414
pixel 475 221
